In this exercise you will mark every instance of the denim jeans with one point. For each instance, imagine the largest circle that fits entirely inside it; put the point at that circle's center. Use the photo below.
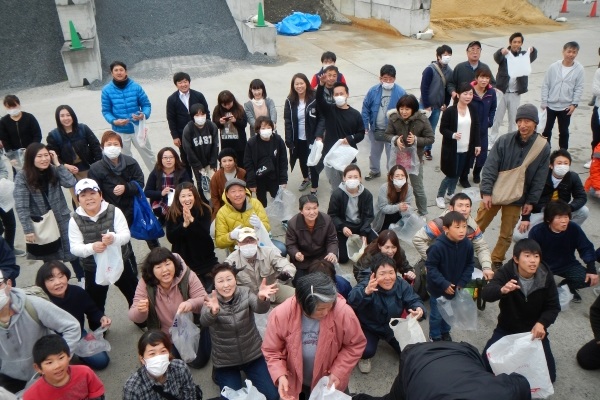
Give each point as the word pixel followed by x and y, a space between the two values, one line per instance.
pixel 564 121
pixel 437 325
pixel 96 362
pixel 433 120
pixel 448 184
pixel 256 371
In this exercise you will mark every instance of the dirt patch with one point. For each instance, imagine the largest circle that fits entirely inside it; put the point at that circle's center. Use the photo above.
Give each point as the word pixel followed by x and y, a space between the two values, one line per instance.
pixel 447 15
pixel 376 25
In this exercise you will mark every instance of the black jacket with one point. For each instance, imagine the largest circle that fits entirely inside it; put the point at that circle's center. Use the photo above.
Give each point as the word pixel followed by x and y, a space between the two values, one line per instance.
pixel 101 172
pixel 338 203
pixel 502 76
pixel 201 145
pixel 519 313
pixel 278 157
pixel 153 189
pixel 82 143
pixel 314 124
pixel 570 187
pixel 19 134
pixel 447 128
pixel 178 115
pixel 463 72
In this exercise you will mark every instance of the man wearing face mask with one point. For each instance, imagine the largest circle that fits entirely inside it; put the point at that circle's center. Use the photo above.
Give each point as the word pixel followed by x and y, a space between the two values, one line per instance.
pixel 200 141
pixel 255 263
pixel 562 184
pixel 465 71
pixel 379 100
pixel 509 88
pixel 23 320
pixel 434 94
pixel 342 122
pixel 18 129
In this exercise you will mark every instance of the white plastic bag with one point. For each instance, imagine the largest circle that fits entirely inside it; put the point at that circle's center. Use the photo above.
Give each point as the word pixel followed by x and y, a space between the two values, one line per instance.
pixel 340 156
pixel 170 196
pixel 407 331
pixel 564 297
pixel 460 312
pixel 92 344
pixel 141 132
pixel 7 187
pixel 109 265
pixel 519 65
pixel 264 239
pixel 260 320
pixel 247 393
pixel 283 207
pixel 407 157
pixel 316 152
pixel 16 158
pixel 355 247
pixel 320 391
pixel 186 336
pixel 519 353
pixel 542 116
pixel 409 227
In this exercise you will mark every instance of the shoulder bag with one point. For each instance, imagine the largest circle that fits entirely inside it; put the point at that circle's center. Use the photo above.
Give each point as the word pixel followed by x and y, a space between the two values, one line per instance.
pixel 47 233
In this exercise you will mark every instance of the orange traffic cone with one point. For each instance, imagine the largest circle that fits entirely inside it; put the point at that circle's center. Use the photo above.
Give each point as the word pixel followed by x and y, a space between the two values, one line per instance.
pixel 594 9
pixel 564 7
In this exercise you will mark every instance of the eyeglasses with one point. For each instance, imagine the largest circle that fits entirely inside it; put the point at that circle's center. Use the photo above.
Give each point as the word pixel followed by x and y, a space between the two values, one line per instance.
pixel 168 158
pixel 474 50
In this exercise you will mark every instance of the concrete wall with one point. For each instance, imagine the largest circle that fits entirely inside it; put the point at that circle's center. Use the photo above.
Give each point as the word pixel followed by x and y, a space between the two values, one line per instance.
pixel 550 8
pixel 257 39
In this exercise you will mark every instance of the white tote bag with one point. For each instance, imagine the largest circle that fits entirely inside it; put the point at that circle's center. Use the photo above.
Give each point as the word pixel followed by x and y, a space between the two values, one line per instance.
pixel 407 331
pixel 340 156
pixel 519 65
pixel 316 152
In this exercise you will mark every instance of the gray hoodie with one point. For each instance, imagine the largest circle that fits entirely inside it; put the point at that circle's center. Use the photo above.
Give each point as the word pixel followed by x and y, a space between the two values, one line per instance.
pixel 352 210
pixel 16 341
pixel 559 93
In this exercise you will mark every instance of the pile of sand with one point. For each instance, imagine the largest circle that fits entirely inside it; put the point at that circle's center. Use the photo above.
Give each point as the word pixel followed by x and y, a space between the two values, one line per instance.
pixel 469 14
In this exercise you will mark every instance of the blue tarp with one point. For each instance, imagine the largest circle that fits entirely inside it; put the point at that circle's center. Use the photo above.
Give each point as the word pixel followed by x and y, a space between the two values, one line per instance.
pixel 298 22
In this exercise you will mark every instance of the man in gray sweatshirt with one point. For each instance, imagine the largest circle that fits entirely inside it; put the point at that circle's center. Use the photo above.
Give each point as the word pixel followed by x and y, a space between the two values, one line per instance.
pixel 561 93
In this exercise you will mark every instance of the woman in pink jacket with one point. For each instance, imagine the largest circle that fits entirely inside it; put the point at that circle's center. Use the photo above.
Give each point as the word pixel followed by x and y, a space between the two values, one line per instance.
pixel 312 335
pixel 168 287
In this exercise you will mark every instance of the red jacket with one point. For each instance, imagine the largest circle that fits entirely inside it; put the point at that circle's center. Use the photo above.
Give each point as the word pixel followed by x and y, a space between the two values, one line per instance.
pixel 341 344
pixel 593 181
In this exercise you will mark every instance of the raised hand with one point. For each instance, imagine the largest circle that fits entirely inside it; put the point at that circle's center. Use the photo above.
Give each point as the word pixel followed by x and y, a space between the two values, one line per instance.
pixel 266 291
pixel 372 285
pixel 213 303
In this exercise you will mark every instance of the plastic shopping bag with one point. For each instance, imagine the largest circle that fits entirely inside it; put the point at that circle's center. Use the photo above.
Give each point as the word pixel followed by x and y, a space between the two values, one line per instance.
pixel 542 116
pixel 260 320
pixel 264 239
pixel 92 344
pixel 320 391
pixel 16 158
pixel 186 336
pixel 460 312
pixel 340 156
pixel 407 331
pixel 316 152
pixel 109 265
pixel 355 247
pixel 409 227
pixel 519 65
pixel 283 206
pixel 145 225
pixel 247 393
pixel 564 297
pixel 407 157
pixel 141 132
pixel 7 187
pixel 519 353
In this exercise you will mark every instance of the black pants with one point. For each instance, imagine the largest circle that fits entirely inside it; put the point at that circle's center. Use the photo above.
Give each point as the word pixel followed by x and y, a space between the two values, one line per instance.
pixel 11 384
pixel 185 162
pixel 342 239
pixel 203 353
pixel 564 121
pixel 127 284
pixel 8 226
pixel 595 129
pixel 268 184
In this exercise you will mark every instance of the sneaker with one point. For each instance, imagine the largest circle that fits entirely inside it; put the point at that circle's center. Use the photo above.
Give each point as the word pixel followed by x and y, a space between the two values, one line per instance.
pixel 465 183
pixel 448 197
pixel 588 164
pixel 440 202
pixel 437 339
pixel 446 337
pixel 428 155
pixel 19 252
pixel 364 365
pixel 576 297
pixel 313 192
pixel 81 283
pixel 372 175
pixel 423 217
pixel 304 185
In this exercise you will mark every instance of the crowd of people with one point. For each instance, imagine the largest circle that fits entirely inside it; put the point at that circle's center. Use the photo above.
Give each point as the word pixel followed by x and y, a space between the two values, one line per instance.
pixel 210 190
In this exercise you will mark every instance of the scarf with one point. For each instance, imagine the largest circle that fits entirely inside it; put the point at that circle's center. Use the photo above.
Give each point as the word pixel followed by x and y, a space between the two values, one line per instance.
pixel 116 169
pixel 168 180
pixel 121 84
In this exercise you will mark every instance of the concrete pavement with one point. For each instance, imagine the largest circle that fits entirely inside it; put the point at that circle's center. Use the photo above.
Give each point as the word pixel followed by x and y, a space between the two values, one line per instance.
pixel 360 55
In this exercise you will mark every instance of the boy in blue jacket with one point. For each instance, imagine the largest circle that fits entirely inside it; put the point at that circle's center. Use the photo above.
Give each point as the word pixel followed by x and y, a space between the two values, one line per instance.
pixel 449 268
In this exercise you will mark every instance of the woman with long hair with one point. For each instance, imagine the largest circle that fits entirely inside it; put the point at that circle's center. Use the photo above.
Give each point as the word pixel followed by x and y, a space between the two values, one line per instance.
pixel 259 104
pixel 387 243
pixel 188 230
pixel 164 178
pixel 38 190
pixel 302 122
pixel 230 118
pixel 394 199
pixel 75 144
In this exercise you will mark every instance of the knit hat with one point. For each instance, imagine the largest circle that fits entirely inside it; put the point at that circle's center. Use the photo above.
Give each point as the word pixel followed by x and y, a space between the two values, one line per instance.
pixel 233 182
pixel 228 152
pixel 528 111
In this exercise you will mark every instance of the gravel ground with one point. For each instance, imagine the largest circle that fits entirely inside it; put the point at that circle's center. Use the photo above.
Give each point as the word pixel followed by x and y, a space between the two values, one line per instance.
pixel 26 59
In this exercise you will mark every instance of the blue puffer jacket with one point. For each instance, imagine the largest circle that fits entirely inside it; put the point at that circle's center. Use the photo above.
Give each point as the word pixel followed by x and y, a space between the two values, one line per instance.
pixel 375 311
pixel 122 103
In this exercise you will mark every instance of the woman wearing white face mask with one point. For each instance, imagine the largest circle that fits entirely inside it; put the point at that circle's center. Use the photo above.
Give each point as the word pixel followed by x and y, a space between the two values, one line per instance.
pixel 18 129
pixel 160 377
pixel 265 161
pixel 200 142
pixel 351 209
pixel 259 104
pixel 394 199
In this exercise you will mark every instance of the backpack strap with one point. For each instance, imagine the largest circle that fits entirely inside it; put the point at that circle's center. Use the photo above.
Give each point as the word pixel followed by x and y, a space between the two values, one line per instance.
pixel 184 285
pixel 439 71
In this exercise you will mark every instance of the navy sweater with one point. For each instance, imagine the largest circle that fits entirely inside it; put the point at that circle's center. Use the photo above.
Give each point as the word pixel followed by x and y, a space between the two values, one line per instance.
pixel 558 249
pixel 79 304
pixel 448 263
